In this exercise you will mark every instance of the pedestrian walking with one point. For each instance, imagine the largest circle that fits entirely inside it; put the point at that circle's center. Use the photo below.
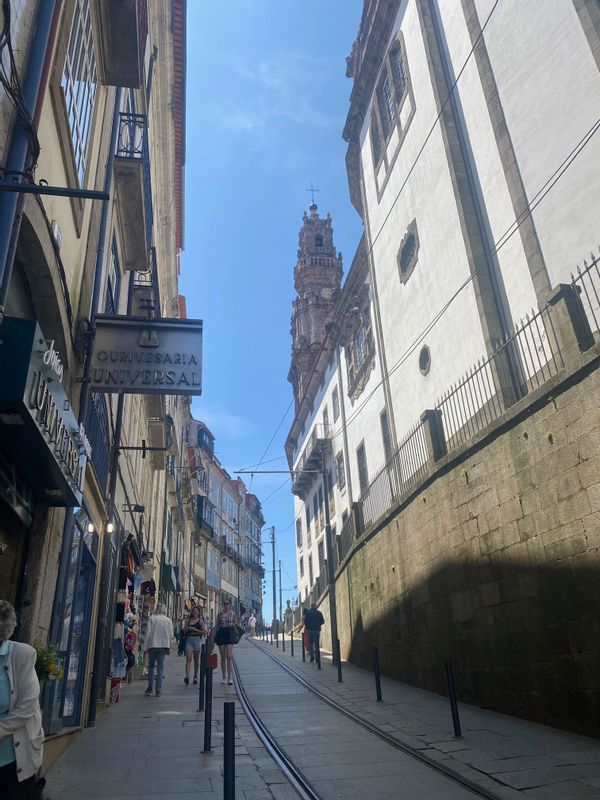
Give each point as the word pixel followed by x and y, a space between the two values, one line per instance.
pixel 225 622
pixel 194 631
pixel 129 645
pixel 305 629
pixel 21 732
pixel 313 622
pixel 159 640
pixel 252 625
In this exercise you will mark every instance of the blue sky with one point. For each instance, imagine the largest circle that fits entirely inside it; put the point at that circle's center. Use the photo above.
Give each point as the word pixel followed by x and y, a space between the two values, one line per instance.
pixel 267 98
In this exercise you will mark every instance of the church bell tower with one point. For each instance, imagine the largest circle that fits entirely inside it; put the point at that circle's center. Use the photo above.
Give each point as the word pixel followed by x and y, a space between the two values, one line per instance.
pixel 317 280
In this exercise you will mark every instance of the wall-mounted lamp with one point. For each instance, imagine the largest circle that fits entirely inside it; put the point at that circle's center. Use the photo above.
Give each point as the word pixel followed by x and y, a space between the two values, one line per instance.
pixel 90 528
pixel 110 527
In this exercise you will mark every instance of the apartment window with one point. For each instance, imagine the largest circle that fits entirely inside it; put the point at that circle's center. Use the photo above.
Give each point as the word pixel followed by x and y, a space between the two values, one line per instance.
pixel 310 571
pixel 113 284
pixel 321 509
pixel 340 470
pixel 301 566
pixel 385 435
pixel 299 533
pixel 321 556
pixel 79 85
pixel 325 421
pixel 335 401
pixel 363 475
pixel 331 493
pixel 316 509
pixel 398 71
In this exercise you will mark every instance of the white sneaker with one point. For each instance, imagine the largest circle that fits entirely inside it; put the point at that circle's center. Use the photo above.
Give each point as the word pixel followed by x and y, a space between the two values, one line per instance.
pixel 223 681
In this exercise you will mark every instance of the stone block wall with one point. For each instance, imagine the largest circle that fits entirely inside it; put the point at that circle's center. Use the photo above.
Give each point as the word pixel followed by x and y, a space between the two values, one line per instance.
pixel 496 563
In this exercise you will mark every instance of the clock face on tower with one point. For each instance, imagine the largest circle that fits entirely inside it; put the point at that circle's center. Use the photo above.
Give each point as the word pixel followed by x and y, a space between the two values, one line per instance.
pixel 326 293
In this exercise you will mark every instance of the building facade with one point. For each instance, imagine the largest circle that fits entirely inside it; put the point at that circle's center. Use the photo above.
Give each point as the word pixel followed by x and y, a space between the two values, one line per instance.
pixel 95 110
pixel 464 303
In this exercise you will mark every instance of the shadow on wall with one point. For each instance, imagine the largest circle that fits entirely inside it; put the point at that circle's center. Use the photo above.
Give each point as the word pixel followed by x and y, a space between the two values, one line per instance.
pixel 523 641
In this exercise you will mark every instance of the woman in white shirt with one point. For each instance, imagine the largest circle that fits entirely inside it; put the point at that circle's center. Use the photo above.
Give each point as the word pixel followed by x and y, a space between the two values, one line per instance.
pixel 21 732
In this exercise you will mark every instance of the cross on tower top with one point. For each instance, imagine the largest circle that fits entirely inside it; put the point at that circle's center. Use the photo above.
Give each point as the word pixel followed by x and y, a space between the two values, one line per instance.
pixel 312 191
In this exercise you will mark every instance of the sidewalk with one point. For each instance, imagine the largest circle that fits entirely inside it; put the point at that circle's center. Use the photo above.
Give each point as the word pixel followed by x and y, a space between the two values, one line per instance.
pixel 530 760
pixel 151 747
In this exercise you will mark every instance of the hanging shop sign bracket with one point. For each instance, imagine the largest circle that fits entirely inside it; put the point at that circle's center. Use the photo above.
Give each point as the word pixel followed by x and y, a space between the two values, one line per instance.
pixel 56 191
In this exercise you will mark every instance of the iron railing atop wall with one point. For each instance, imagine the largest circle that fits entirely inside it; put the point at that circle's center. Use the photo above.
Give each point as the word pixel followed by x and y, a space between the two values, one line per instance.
pixel 133 143
pixel 98 433
pixel 523 362
pixel 399 476
pixel 588 281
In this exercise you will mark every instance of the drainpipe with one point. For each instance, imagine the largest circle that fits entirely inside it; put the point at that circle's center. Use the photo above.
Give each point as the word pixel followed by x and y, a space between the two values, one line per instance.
pixel 11 203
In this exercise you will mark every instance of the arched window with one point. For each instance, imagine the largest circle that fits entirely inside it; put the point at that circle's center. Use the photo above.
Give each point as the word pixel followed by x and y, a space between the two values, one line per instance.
pixel 318 240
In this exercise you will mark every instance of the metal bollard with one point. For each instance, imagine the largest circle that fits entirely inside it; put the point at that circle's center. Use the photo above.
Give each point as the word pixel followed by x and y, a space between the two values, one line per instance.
pixel 339 660
pixel 271 632
pixel 377 674
pixel 283 640
pixel 229 751
pixel 208 712
pixel 202 678
pixel 452 696
pixel 292 643
pixel 277 637
pixel 303 648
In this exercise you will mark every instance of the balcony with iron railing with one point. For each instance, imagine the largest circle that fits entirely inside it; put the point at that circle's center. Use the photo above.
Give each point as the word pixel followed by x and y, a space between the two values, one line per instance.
pixel 311 458
pixel 134 191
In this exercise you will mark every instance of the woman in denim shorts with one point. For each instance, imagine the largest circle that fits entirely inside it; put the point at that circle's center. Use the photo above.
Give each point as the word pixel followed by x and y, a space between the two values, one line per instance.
pixel 195 630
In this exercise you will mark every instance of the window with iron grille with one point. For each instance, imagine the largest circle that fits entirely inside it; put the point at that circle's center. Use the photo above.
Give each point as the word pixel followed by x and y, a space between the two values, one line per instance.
pixel 299 533
pixel 385 435
pixel 321 555
pixel 361 461
pixel 391 92
pixel 340 470
pixel 78 84
pixel 335 401
pixel 385 102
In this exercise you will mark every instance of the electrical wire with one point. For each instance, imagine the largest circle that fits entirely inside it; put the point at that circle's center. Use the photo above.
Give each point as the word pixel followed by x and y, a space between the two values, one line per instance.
pixel 281 421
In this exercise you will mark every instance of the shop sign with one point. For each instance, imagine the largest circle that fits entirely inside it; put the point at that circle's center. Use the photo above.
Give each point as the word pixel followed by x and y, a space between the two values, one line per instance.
pixel 37 423
pixel 135 355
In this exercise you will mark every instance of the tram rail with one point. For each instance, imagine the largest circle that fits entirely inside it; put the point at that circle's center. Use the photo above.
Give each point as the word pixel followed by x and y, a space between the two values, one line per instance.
pixel 294 774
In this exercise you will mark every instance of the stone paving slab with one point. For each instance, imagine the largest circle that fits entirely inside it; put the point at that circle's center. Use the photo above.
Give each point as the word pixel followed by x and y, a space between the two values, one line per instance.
pixel 150 747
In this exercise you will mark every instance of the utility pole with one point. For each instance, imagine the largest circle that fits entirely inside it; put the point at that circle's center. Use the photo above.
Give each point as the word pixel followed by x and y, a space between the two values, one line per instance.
pixel 280 597
pixel 274 575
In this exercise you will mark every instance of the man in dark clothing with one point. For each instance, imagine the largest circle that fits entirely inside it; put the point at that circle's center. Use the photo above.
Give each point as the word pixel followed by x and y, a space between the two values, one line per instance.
pixel 313 622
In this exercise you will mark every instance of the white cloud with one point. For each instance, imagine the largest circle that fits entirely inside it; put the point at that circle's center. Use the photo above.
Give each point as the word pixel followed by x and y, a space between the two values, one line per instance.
pixel 222 423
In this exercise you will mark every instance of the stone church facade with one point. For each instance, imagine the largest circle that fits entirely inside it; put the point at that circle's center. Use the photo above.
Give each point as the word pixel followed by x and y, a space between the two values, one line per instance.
pixel 451 397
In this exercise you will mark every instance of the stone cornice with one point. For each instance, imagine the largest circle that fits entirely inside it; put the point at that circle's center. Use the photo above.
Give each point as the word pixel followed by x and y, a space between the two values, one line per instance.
pixel 366 59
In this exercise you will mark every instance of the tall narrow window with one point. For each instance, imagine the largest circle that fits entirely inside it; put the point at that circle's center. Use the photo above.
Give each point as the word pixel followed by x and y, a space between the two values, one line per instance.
pixel 321 556
pixel 316 511
pixel 321 510
pixel 325 422
pixel 376 142
pixel 299 533
pixel 310 571
pixel 398 72
pixel 340 469
pixel 335 401
pixel 385 435
pixel 301 566
pixel 78 83
pixel 387 109
pixel 361 461
pixel 331 493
